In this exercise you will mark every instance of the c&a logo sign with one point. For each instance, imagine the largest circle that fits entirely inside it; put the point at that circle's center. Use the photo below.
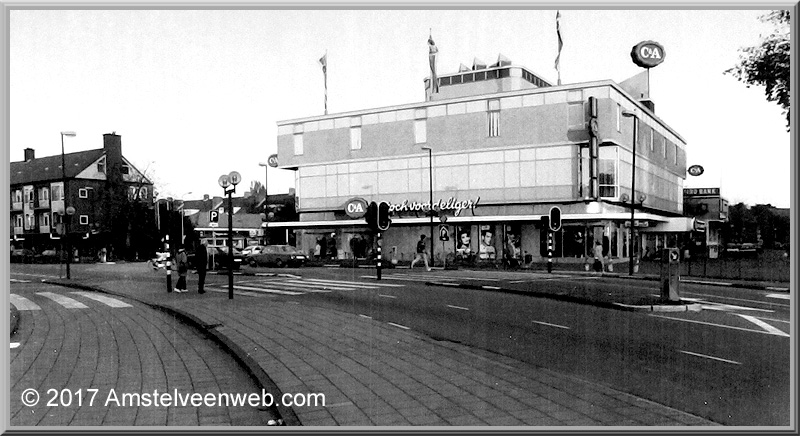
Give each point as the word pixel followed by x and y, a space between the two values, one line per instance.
pixel 648 54
pixel 355 207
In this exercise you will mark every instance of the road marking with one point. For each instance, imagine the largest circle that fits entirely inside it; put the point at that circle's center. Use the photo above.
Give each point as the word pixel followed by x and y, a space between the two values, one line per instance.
pixel 723 306
pixel 242 293
pixel 551 325
pixel 307 286
pixel 763 325
pixel 710 357
pixel 458 307
pixel 401 326
pixel 715 325
pixel 491 287
pixel 738 299
pixel 22 303
pixel 774 288
pixel 272 291
pixel 387 296
pixel 19 281
pixel 14 345
pixel 780 296
pixel 108 301
pixel 703 282
pixel 35 275
pixel 370 285
pixel 67 302
pixel 364 316
pixel 773 319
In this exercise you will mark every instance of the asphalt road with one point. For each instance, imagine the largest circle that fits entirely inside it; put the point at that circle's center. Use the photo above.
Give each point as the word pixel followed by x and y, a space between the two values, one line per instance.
pixel 82 352
pixel 728 363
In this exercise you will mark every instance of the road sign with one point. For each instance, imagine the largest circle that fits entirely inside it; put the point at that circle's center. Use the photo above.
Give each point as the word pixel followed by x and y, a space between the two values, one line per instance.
pixel 443 218
pixel 444 234
pixel 213 224
pixel 213 216
pixel 273 161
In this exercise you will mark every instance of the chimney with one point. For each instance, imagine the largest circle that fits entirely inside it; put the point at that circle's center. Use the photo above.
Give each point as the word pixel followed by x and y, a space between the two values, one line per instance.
pixel 112 145
pixel 29 154
pixel 205 197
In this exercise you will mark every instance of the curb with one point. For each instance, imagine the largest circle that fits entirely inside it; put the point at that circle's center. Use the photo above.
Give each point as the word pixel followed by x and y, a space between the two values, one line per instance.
pixel 683 307
pixel 14 320
pixel 692 281
pixel 255 370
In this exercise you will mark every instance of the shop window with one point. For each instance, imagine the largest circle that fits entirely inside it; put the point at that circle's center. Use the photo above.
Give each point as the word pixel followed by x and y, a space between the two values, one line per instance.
pixel 420 131
pixel 512 254
pixel 465 251
pixel 355 138
pixel 298 144
pixel 607 169
pixel 494 118
pixel 84 219
pixel 486 249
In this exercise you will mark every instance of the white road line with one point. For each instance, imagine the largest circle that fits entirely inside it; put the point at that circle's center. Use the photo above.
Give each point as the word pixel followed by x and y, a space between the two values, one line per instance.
pixel 19 281
pixel 387 296
pixel 458 307
pixel 703 282
pixel 370 285
pixel 14 345
pixel 22 303
pixel 67 302
pixel 774 288
pixel 271 291
pixel 364 316
pixel 711 305
pixel 773 319
pixel 388 277
pixel 737 299
pixel 551 325
pixel 780 296
pixel 710 357
pixel 401 326
pixel 292 284
pixel 519 281
pixel 712 324
pixel 108 301
pixel 491 287
pixel 763 325
pixel 242 293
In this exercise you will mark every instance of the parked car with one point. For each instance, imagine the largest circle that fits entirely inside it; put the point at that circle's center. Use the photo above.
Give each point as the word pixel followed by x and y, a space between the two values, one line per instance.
pixel 277 255
pixel 22 255
pixel 220 257
pixel 48 256
pixel 253 249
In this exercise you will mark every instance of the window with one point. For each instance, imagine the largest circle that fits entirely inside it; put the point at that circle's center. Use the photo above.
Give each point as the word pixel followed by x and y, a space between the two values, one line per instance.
pixel 298 144
pixel 18 220
pixel 84 219
pixel 619 111
pixel 44 220
pixel 83 193
pixel 30 196
pixel 494 118
pixel 44 195
pixel 56 218
pixel 132 191
pixel 101 165
pixel 17 196
pixel 420 131
pixel 56 193
pixel 664 147
pixel 125 169
pixel 29 221
pixel 607 169
pixel 143 193
pixel 355 138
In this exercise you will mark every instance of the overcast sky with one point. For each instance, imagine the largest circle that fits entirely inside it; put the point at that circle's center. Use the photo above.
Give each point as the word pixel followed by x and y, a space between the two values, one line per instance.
pixel 197 94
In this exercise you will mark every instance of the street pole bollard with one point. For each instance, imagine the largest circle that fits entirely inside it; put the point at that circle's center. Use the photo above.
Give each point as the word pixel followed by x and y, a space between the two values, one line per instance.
pixel 169 265
pixel 379 255
pixel 670 275
pixel 549 252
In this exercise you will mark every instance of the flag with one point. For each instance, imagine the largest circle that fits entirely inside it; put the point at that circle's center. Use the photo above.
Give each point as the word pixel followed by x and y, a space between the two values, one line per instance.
pixel 432 51
pixel 560 45
pixel 324 62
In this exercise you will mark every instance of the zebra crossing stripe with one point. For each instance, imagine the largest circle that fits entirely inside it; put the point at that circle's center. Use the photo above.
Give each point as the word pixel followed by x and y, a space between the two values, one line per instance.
pixel 400 277
pixel 67 302
pixel 242 293
pixel 108 301
pixel 22 303
pixel 357 284
pixel 19 281
pixel 267 290
pixel 302 284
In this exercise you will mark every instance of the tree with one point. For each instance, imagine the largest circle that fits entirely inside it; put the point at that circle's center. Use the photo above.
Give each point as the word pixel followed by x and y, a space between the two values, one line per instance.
pixel 768 64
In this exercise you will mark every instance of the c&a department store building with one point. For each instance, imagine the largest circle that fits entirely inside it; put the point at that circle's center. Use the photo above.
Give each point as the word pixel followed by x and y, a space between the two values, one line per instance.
pixel 503 146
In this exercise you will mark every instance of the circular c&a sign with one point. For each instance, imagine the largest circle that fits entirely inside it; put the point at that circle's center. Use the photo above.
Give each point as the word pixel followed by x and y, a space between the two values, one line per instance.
pixel 695 170
pixel 355 207
pixel 648 54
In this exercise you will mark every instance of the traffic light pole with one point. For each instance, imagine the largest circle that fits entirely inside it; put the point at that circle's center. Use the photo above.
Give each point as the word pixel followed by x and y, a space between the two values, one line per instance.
pixel 549 252
pixel 380 243
pixel 230 245
pixel 169 263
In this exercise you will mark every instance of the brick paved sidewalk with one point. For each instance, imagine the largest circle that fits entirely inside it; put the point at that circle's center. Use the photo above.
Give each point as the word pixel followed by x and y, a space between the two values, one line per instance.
pixel 372 373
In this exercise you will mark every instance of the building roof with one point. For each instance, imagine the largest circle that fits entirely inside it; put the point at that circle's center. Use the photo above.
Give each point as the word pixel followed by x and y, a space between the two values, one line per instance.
pixel 49 167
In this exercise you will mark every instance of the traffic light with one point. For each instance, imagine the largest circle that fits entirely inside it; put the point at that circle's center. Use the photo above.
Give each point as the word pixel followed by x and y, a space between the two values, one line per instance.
pixel 555 219
pixel 383 216
pixel 372 216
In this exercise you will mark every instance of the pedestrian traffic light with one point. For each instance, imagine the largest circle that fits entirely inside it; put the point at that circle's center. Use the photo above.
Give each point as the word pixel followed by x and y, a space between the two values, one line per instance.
pixel 555 219
pixel 372 216
pixel 383 216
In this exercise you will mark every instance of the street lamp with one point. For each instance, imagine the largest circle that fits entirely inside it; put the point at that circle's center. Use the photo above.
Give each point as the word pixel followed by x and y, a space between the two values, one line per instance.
pixel 630 114
pixel 430 180
pixel 266 201
pixel 65 244
pixel 225 181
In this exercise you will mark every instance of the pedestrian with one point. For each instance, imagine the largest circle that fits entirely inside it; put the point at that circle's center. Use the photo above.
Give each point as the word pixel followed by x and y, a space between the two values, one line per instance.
pixel 183 268
pixel 201 263
pixel 323 247
pixel 422 253
pixel 599 263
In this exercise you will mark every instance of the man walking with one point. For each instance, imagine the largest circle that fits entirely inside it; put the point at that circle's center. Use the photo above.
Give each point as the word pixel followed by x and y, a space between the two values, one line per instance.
pixel 201 262
pixel 183 268
pixel 421 253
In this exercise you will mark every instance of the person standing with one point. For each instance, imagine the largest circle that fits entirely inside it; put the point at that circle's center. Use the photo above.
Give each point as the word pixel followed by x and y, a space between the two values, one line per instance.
pixel 183 268
pixel 201 263
pixel 599 261
pixel 422 253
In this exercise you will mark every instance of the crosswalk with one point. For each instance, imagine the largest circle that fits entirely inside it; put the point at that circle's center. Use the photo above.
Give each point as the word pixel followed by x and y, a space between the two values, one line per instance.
pixel 86 300
pixel 422 277
pixel 290 286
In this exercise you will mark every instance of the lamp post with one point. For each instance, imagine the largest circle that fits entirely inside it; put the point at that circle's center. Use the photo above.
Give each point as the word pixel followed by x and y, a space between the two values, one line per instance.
pixel 225 181
pixel 266 202
pixel 630 114
pixel 430 180
pixel 65 244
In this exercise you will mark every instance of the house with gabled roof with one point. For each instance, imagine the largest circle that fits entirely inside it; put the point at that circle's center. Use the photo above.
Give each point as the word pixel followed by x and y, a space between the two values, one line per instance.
pixel 92 184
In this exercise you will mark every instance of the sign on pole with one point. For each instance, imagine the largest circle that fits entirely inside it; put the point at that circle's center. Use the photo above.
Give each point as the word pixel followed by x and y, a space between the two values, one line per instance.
pixel 273 161
pixel 444 234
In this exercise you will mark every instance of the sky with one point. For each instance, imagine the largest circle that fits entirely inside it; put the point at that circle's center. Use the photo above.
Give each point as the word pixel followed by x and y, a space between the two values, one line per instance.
pixel 197 94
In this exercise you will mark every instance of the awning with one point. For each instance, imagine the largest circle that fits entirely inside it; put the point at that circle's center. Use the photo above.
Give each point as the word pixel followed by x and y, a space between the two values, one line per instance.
pixel 677 225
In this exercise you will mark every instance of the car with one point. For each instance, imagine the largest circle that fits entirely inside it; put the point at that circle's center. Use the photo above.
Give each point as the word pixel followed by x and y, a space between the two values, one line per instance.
pixel 277 255
pixel 253 249
pixel 220 257
pixel 48 256
pixel 22 255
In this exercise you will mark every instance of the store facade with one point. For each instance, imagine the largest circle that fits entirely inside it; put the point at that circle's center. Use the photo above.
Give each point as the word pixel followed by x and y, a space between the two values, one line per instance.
pixel 501 147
